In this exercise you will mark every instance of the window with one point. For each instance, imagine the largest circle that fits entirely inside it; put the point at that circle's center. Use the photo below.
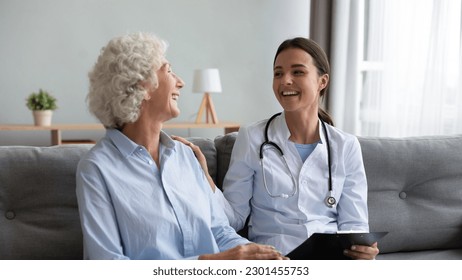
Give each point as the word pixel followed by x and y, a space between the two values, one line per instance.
pixel 410 68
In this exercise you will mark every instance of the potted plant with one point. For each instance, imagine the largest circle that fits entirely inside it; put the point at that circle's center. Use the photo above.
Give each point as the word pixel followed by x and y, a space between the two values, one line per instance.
pixel 42 105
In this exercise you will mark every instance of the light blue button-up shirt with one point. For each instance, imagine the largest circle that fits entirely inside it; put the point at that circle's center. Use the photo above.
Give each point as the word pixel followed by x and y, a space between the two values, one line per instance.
pixel 287 222
pixel 130 209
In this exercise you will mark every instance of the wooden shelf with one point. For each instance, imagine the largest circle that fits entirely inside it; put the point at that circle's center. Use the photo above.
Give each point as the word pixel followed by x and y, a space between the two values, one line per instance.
pixel 55 129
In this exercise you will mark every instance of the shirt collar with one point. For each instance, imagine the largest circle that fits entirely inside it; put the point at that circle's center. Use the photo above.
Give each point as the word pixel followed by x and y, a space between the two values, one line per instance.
pixel 126 146
pixel 166 140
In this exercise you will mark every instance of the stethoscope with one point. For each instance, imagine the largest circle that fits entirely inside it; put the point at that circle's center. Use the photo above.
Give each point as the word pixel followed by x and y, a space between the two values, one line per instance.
pixel 330 199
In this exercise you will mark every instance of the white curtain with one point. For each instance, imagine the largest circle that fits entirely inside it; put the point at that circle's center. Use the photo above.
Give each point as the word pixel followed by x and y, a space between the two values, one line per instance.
pixel 344 58
pixel 415 88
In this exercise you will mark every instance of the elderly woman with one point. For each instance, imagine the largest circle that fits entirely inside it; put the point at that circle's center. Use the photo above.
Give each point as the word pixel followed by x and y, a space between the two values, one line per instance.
pixel 141 194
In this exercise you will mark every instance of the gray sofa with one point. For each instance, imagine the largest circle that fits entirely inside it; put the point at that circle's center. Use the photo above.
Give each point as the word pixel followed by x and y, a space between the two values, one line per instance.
pixel 415 193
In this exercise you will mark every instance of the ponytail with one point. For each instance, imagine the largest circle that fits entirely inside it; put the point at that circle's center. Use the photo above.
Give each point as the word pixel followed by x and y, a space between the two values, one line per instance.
pixel 324 116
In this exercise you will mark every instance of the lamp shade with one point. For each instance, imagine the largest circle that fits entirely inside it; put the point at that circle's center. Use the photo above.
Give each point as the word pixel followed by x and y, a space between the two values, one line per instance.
pixel 206 80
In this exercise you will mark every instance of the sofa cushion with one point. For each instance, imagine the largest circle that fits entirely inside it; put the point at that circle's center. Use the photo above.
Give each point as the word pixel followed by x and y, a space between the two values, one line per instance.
pixel 208 149
pixel 415 191
pixel 224 145
pixel 39 215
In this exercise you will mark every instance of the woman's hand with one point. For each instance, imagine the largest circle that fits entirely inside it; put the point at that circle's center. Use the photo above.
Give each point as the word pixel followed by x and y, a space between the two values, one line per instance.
pixel 360 252
pixel 251 251
pixel 200 157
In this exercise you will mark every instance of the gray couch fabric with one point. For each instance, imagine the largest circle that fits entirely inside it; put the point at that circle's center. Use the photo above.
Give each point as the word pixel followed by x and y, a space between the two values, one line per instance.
pixel 39 216
pixel 415 193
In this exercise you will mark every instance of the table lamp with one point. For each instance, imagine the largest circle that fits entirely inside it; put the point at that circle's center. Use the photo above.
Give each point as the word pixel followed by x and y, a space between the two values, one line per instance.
pixel 207 81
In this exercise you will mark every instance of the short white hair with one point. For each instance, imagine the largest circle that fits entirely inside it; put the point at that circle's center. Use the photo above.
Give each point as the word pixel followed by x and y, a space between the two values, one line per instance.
pixel 115 92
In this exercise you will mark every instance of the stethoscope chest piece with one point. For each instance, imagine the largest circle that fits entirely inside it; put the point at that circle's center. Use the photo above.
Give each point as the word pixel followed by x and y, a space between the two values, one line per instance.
pixel 330 201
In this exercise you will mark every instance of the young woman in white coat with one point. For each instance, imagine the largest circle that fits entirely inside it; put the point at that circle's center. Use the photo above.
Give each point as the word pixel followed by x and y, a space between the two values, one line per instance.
pixel 295 174
pixel 319 185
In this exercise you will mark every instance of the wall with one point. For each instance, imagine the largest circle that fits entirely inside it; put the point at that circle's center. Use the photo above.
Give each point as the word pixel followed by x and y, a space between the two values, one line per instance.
pixel 52 44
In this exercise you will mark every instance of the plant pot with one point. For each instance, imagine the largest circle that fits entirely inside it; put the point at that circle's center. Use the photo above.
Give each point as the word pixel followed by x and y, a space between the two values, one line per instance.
pixel 42 118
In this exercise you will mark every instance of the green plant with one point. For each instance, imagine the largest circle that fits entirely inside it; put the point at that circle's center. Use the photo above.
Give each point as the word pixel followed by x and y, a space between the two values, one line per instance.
pixel 41 101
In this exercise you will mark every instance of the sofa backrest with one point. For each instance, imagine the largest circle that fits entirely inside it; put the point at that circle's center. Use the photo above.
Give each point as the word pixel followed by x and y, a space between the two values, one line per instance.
pixel 415 191
pixel 39 215
pixel 224 147
pixel 208 149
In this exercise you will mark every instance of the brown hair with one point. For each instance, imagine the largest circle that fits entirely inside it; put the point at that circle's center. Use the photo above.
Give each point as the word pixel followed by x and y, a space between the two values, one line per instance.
pixel 320 61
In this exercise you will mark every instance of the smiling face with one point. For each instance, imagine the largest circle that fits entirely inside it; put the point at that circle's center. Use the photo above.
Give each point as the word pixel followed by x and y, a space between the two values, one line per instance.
pixel 162 101
pixel 296 81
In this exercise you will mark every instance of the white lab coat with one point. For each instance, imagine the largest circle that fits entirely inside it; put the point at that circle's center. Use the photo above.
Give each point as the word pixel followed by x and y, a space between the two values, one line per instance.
pixel 287 222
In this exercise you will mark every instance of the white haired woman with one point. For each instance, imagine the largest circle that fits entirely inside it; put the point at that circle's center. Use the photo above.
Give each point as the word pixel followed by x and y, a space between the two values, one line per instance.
pixel 133 202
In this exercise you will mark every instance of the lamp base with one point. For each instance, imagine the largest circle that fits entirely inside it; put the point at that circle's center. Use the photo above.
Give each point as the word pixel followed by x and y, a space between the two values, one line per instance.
pixel 207 106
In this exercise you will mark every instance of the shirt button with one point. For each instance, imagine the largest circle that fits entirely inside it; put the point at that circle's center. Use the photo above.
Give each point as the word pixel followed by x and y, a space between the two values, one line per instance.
pixel 402 195
pixel 150 162
pixel 304 182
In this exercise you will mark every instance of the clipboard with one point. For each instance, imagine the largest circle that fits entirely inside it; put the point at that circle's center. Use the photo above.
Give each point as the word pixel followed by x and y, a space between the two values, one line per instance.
pixel 330 246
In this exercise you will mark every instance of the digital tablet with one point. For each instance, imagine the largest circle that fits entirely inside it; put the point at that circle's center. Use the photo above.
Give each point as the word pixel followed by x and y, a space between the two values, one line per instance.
pixel 330 246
